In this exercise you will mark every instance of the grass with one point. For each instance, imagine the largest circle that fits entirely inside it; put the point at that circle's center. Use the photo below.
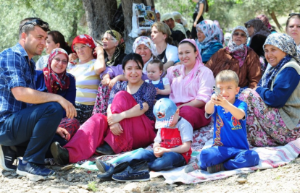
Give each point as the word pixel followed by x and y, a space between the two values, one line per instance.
pixel 92 186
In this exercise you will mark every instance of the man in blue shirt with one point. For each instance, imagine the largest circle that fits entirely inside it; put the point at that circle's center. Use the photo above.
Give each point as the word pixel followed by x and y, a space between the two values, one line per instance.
pixel 28 118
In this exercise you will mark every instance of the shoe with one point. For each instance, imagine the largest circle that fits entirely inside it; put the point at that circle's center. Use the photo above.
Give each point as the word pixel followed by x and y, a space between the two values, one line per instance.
pixel 7 158
pixel 137 170
pixel 191 167
pixel 33 171
pixel 215 168
pixel 112 170
pixel 105 149
pixel 102 166
pixel 60 154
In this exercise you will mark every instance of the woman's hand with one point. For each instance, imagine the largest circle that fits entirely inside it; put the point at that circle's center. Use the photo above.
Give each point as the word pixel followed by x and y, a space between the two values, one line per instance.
pixel 114 118
pixel 113 82
pixel 105 80
pixel 116 129
pixel 72 57
pixel 195 24
pixel 99 50
pixel 63 133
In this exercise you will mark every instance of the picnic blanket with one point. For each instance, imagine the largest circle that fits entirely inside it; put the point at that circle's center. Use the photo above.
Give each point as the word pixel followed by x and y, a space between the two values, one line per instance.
pixel 270 157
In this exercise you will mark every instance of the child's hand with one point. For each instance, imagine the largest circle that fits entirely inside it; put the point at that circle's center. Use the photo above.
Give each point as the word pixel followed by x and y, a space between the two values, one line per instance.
pixel 159 151
pixel 221 101
pixel 158 91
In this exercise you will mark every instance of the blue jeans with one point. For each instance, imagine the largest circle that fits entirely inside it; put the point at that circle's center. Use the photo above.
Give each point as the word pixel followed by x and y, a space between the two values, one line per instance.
pixel 167 161
pixel 34 128
pixel 231 157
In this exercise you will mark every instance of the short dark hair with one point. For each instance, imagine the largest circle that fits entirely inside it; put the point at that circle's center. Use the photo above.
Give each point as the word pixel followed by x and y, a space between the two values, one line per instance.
pixel 157 61
pixel 135 57
pixel 27 25
pixel 59 38
pixel 291 15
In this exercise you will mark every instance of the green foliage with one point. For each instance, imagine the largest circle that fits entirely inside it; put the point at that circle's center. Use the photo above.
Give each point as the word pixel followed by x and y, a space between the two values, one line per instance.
pixel 59 14
pixel 92 186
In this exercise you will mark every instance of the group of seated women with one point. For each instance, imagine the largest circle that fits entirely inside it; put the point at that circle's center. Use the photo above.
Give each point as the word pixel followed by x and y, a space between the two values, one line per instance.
pixel 115 104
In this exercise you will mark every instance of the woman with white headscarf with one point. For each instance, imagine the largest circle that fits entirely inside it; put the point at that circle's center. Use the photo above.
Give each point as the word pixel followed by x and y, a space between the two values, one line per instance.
pixel 238 58
pixel 273 113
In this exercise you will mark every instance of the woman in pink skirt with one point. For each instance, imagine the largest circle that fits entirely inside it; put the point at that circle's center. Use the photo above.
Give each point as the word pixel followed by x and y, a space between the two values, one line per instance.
pixel 191 84
pixel 129 123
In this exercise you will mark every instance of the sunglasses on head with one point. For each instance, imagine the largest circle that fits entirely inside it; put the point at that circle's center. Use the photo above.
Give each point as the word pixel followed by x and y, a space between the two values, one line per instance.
pixel 293 14
pixel 239 34
pixel 37 22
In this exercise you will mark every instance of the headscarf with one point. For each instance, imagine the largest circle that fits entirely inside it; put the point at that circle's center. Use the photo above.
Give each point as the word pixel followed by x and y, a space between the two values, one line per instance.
pixel 167 16
pixel 286 44
pixel 54 81
pixel 259 27
pixel 265 20
pixel 238 52
pixel 86 40
pixel 147 42
pixel 119 49
pixel 198 62
pixel 177 15
pixel 211 31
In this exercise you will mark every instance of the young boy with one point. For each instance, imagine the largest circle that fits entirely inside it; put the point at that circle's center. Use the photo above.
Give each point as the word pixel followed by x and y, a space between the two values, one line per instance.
pixel 230 149
pixel 172 146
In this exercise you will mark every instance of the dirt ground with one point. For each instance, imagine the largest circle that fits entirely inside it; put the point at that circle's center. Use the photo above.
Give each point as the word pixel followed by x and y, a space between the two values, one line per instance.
pixel 283 179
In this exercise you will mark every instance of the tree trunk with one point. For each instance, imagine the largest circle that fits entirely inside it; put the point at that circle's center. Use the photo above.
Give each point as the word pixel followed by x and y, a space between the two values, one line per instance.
pixel 127 11
pixel 275 20
pixel 99 13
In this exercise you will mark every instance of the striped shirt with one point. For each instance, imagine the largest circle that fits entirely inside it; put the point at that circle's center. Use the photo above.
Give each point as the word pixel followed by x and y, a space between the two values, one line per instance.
pixel 87 82
pixel 15 71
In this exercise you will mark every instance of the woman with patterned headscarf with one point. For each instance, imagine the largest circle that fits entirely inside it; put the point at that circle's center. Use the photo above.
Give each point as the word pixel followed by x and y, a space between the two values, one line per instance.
pixel 239 58
pixel 273 113
pixel 55 79
pixel 142 46
pixel 86 75
pixel 209 39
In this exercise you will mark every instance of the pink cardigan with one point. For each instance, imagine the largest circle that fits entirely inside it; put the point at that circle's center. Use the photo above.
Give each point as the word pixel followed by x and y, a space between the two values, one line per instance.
pixel 200 87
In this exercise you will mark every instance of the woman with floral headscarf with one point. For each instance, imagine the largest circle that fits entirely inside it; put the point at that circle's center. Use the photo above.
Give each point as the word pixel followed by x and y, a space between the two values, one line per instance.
pixel 55 79
pixel 191 84
pixel 273 113
pixel 142 46
pixel 239 58
pixel 209 39
pixel 86 75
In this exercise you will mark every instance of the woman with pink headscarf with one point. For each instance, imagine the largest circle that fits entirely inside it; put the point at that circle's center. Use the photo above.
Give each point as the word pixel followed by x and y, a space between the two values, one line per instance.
pixel 191 84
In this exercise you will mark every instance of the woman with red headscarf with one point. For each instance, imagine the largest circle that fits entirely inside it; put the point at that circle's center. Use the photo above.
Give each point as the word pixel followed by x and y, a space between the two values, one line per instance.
pixel 55 79
pixel 86 76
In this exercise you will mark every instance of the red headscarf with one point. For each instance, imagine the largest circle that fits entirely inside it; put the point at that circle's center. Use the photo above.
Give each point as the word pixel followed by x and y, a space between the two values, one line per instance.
pixel 54 81
pixel 86 40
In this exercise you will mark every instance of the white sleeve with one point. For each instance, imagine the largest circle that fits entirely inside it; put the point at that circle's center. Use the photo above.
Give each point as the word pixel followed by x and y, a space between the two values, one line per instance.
pixel 166 81
pixel 186 130
pixel 171 53
pixel 147 81
pixel 157 139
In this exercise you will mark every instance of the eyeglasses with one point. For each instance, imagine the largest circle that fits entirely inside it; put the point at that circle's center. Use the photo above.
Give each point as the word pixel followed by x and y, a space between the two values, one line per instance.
pixel 37 22
pixel 248 26
pixel 107 39
pixel 77 48
pixel 240 34
pixel 62 61
pixel 293 14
